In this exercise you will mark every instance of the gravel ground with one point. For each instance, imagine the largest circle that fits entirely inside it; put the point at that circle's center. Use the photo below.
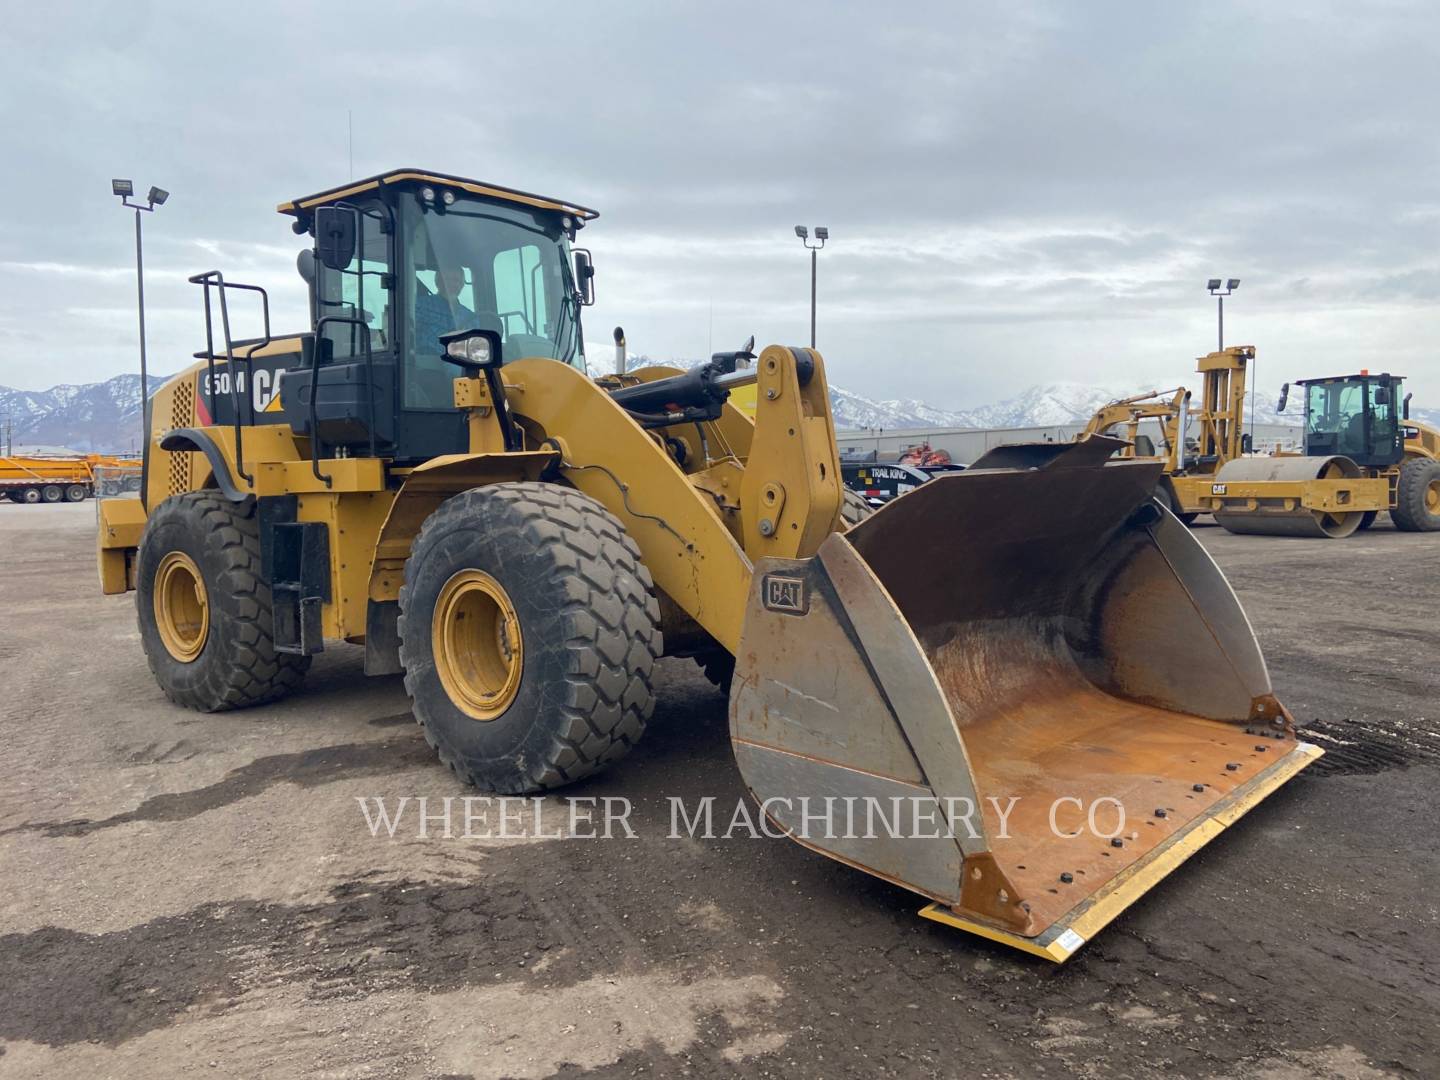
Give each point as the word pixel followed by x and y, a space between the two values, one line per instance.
pixel 200 895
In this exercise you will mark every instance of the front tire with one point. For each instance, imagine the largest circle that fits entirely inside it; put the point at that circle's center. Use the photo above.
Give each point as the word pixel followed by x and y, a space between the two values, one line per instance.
pixel 204 610
pixel 1417 496
pixel 529 632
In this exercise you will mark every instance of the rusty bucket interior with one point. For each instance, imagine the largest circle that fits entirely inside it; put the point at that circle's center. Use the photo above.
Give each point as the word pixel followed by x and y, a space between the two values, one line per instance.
pixel 1043 667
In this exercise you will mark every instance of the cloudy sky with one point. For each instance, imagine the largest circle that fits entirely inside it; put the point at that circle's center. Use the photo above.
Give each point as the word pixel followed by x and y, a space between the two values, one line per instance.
pixel 1017 193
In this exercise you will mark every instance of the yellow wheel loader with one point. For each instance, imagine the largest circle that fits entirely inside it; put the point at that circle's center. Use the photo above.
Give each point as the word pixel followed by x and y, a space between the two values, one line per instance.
pixel 1023 691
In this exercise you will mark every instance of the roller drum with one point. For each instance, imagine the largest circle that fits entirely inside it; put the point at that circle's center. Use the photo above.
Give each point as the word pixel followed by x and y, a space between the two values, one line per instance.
pixel 1275 517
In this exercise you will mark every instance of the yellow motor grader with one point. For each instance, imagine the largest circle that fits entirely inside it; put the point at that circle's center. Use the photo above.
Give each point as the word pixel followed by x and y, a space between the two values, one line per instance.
pixel 959 686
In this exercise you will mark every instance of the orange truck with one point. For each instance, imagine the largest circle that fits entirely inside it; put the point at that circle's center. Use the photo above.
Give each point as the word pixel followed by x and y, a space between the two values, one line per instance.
pixel 64 478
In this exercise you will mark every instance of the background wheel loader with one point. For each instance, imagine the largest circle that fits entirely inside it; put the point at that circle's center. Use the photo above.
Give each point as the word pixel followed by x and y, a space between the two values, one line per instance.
pixel 430 472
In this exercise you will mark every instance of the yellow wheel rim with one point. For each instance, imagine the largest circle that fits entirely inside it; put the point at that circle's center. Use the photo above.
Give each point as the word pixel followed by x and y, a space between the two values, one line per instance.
pixel 182 609
pixel 1432 496
pixel 479 652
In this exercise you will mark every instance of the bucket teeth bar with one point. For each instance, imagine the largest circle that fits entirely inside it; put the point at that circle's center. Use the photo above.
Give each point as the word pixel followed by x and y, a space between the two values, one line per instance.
pixel 1024 691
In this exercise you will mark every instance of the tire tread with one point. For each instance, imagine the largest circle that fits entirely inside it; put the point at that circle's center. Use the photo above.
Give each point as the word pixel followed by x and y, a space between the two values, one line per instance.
pixel 254 672
pixel 611 623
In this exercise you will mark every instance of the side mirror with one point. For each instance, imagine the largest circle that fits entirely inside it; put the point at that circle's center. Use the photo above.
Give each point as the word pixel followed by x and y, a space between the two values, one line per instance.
pixel 1284 397
pixel 585 276
pixel 1382 395
pixel 334 236
pixel 305 263
pixel 1406 406
pixel 473 350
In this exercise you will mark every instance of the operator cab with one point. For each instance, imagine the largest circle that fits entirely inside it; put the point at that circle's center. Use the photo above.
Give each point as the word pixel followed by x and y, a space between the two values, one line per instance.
pixel 1355 416
pixel 403 258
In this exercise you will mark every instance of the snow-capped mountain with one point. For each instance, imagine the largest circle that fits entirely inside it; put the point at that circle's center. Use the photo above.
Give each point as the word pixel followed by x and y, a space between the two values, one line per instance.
pixel 91 417
pixel 1057 404
pixel 105 416
pixel 853 411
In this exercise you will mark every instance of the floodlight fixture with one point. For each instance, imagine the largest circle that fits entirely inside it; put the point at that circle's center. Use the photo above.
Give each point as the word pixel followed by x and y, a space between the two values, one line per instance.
pixel 821 235
pixel 124 190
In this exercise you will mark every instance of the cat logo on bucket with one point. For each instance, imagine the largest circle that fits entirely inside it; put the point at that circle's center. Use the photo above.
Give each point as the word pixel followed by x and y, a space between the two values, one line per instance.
pixel 784 594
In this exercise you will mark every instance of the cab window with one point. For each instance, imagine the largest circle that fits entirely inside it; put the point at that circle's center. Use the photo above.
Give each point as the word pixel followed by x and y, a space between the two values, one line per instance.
pixel 1337 413
pixel 519 291
pixel 359 292
pixel 477 264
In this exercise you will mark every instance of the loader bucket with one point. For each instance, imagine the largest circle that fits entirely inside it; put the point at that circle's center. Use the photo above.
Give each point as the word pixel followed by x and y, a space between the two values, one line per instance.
pixel 1024 691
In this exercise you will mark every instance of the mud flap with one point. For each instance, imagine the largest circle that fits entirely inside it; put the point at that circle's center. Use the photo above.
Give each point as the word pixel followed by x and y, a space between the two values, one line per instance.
pixel 1024 691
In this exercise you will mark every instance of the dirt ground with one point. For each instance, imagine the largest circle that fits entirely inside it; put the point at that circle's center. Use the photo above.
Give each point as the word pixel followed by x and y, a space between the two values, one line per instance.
pixel 200 895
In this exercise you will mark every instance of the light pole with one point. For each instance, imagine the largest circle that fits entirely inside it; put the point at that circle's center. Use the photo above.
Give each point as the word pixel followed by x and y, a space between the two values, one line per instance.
pixel 821 234
pixel 156 197
pixel 1214 286
pixel 1231 284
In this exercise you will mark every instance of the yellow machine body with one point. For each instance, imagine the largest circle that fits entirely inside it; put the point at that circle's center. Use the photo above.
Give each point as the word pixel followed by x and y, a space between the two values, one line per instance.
pixel 1030 670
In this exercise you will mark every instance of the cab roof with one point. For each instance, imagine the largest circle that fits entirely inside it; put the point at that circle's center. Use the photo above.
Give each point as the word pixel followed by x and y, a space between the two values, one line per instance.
pixel 1353 375
pixel 422 176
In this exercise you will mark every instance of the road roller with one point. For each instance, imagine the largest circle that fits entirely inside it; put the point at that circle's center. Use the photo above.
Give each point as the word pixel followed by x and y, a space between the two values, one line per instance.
pixel 1363 455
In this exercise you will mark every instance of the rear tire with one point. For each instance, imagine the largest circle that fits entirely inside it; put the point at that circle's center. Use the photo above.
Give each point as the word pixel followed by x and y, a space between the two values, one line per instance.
pixel 1367 519
pixel 75 493
pixel 1417 496
pixel 51 493
pixel 205 538
pixel 569 689
pixel 29 495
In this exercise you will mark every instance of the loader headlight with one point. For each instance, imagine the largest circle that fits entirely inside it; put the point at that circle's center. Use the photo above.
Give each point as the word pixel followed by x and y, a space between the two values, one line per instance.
pixel 472 348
